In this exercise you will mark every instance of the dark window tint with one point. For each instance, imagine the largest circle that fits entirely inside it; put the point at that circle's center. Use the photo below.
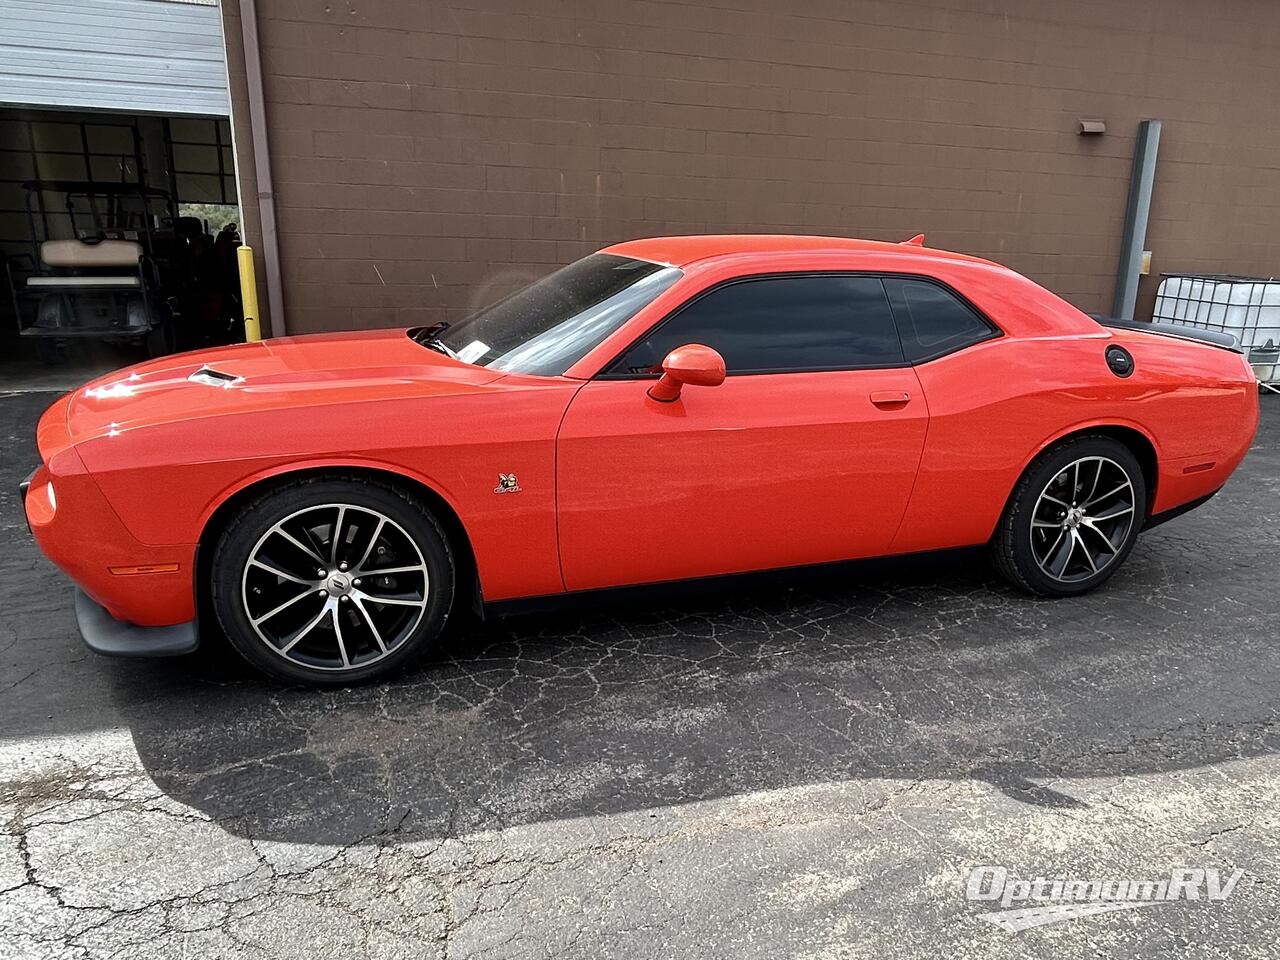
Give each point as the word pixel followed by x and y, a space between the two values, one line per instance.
pixel 932 320
pixel 780 324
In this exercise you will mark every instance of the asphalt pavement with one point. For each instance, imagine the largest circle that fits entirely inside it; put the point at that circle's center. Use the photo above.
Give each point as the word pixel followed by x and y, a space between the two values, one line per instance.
pixel 808 766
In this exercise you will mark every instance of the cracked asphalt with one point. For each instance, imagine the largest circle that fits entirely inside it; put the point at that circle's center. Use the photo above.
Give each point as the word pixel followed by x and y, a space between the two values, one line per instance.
pixel 805 766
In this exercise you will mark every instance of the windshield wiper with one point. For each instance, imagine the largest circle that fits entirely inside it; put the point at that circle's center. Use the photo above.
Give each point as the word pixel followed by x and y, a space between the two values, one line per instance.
pixel 429 337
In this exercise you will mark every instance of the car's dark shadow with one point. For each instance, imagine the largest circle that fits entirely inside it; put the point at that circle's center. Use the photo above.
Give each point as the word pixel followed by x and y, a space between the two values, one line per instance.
pixel 916 669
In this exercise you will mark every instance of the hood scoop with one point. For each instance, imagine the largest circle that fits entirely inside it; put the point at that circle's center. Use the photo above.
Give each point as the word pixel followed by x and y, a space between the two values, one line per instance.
pixel 214 378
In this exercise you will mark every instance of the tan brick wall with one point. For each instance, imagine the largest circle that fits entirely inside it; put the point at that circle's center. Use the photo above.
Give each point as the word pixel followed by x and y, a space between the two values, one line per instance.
pixel 428 155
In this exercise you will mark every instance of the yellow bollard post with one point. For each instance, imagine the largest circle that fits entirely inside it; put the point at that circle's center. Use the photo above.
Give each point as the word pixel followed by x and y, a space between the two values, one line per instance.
pixel 249 294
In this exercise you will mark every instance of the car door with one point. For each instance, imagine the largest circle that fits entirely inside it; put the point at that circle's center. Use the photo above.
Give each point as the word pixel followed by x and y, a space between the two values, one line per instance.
pixel 805 454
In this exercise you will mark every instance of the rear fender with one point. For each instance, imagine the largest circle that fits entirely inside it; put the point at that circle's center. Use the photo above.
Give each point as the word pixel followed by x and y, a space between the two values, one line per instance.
pixel 1084 426
pixel 1100 425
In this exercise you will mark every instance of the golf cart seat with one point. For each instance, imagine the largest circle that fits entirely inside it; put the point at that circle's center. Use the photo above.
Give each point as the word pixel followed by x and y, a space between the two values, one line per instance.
pixel 80 254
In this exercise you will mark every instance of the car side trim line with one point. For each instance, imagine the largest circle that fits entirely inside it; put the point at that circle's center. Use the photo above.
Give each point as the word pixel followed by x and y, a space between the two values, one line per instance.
pixel 102 633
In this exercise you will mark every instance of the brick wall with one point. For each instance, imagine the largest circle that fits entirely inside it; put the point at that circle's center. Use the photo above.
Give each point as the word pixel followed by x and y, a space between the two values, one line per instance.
pixel 430 155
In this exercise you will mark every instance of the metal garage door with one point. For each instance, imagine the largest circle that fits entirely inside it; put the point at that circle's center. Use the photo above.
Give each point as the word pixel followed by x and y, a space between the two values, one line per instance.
pixel 133 55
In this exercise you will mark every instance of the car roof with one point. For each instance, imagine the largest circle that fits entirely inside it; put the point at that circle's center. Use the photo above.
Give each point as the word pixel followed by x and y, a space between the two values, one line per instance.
pixel 682 251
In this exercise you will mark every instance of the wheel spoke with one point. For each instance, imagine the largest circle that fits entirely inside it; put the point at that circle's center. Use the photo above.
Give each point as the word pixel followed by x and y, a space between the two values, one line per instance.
pixel 1087 524
pixel 284 606
pixel 1110 514
pixel 310 551
pixel 1058 565
pixel 359 602
pixel 1097 477
pixel 417 567
pixel 1107 495
pixel 394 601
pixel 1052 499
pixel 336 539
pixel 377 532
pixel 1084 548
pixel 337 632
pixel 280 573
pixel 311 625
pixel 1054 546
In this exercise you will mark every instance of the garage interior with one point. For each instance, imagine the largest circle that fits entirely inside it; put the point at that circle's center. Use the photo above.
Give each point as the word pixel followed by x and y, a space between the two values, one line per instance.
pixel 186 165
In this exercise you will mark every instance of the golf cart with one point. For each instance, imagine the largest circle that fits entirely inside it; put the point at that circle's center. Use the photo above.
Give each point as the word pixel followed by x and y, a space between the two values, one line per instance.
pixel 130 270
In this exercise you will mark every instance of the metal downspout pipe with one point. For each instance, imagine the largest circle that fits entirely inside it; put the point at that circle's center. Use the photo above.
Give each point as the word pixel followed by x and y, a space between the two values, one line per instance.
pixel 1141 182
pixel 262 165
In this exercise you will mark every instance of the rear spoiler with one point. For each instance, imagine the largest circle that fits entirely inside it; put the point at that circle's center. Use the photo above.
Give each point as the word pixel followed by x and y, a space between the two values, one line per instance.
pixel 1213 338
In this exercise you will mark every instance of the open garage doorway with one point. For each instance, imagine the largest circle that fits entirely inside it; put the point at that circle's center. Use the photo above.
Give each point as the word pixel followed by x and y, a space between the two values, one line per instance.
pixel 118 234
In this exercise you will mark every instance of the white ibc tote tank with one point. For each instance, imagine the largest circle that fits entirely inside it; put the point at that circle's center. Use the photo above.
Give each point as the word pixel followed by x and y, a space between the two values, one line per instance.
pixel 1247 307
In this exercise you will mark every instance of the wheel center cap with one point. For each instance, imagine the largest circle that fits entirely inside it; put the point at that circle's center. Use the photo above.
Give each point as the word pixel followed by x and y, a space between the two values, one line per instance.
pixel 1074 516
pixel 338 584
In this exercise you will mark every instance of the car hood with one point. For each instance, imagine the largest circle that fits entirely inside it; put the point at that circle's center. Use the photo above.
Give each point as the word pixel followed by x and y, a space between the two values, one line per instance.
pixel 285 372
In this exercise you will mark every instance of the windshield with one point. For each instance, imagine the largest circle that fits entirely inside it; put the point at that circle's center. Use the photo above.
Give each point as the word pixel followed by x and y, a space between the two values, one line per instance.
pixel 551 324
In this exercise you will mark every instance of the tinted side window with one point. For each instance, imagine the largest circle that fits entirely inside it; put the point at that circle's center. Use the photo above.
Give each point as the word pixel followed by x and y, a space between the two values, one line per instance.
pixel 780 324
pixel 931 319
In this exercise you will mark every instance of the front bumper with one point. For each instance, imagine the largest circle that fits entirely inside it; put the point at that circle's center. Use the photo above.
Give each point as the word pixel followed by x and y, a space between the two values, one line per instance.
pixel 75 527
pixel 133 598
pixel 103 633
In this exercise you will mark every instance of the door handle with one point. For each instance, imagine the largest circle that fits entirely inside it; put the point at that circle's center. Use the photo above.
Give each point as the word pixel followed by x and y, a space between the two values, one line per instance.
pixel 890 399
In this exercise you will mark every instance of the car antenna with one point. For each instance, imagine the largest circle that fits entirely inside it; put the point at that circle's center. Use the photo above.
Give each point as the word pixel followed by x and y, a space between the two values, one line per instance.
pixel 916 241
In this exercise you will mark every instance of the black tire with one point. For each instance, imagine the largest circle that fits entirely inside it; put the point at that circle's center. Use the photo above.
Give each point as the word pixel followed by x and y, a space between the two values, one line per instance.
pixel 351 643
pixel 1028 557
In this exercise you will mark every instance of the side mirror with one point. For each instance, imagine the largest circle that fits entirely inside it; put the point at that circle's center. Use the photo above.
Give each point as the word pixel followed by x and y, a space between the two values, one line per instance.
pixel 694 364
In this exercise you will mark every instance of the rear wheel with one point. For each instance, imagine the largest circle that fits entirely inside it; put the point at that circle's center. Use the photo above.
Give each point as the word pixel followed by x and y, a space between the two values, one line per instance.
pixel 1072 519
pixel 332 581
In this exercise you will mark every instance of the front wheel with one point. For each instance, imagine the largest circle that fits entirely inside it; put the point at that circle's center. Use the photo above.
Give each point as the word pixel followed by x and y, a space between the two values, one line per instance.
pixel 332 581
pixel 1072 519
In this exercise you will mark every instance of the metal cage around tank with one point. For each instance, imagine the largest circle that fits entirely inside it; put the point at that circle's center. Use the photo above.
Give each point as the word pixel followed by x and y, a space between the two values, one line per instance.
pixel 1247 308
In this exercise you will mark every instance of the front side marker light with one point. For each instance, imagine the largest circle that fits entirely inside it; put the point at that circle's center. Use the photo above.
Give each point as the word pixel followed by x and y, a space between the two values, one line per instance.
pixel 145 568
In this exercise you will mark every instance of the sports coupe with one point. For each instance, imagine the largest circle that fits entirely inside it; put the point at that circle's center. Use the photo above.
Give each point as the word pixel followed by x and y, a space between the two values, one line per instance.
pixel 664 409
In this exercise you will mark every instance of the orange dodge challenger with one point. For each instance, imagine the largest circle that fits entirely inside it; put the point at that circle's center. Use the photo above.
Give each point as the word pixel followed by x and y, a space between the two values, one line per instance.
pixel 663 409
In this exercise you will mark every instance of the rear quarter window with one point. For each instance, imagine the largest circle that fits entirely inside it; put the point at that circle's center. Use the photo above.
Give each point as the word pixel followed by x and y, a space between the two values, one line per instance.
pixel 932 320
